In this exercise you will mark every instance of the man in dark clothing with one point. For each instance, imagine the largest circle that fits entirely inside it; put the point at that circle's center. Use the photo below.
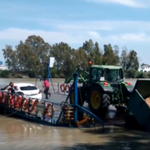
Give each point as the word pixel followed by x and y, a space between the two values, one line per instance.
pixel 10 88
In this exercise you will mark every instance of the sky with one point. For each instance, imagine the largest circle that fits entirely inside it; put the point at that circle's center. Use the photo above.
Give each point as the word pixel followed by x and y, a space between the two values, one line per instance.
pixel 125 23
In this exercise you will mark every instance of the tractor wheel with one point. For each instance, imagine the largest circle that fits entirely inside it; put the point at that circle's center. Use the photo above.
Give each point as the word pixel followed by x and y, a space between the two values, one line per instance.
pixel 80 97
pixel 98 101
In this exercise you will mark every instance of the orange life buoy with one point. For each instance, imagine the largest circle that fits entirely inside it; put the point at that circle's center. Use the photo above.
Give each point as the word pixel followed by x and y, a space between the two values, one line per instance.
pixel 12 101
pixel 3 97
pixel 8 101
pixel 62 87
pixel 67 88
pixel 6 98
pixel 18 101
pixel 25 104
pixel 48 109
pixel 33 108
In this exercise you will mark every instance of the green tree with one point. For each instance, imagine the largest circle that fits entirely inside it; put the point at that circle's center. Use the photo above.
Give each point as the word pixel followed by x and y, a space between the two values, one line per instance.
pixel 33 53
pixel 32 56
pixel 91 52
pixel 133 62
pixel 64 55
pixel 88 47
pixel 130 63
pixel 110 56
pixel 97 55
pixel 116 55
pixel 11 58
pixel 124 59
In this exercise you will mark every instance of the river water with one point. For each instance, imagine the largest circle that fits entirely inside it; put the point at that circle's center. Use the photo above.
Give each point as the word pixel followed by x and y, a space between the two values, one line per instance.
pixel 17 134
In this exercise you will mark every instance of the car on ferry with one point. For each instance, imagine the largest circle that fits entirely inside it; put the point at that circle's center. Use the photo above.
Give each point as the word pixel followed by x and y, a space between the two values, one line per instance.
pixel 28 90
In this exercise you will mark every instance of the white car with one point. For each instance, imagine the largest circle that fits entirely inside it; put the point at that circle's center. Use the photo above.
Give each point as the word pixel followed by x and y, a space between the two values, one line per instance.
pixel 28 90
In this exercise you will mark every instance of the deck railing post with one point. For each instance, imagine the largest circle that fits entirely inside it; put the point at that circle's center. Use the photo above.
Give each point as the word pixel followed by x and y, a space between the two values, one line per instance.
pixel 29 106
pixel 58 87
pixel 52 112
pixel 75 98
pixel 44 112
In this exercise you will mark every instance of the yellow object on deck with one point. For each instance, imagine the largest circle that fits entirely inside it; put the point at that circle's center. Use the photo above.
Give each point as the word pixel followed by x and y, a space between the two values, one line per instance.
pixel 82 121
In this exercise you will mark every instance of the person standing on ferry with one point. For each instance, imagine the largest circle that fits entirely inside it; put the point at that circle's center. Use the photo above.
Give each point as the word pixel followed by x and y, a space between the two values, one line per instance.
pixel 46 88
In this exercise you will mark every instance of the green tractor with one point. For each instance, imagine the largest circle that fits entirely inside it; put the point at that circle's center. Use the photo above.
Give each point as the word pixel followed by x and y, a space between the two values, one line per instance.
pixel 101 86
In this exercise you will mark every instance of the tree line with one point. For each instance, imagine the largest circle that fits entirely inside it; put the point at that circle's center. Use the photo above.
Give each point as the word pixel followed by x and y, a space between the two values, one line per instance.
pixel 30 58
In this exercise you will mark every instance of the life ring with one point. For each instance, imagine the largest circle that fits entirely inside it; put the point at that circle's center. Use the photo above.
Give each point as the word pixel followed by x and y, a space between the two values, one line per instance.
pixel 33 108
pixel 18 101
pixel 48 109
pixel 8 100
pixel 3 97
pixel 24 105
pixel 62 87
pixel 5 100
pixel 67 88
pixel 12 101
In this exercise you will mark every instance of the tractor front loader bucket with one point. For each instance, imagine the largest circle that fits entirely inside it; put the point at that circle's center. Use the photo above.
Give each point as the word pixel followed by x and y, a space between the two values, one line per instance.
pixel 138 104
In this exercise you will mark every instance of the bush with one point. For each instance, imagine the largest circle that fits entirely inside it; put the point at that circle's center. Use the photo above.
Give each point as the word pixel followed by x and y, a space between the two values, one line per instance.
pixel 53 72
pixel 31 74
pixel 18 76
pixel 5 74
pixel 131 73
pixel 141 75
pixel 148 74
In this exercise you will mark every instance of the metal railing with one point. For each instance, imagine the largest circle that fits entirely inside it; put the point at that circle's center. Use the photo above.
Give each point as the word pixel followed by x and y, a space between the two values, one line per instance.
pixel 61 88
pixel 28 107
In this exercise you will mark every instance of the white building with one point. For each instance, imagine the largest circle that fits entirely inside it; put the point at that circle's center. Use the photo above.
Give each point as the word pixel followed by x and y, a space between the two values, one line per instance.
pixel 2 67
pixel 145 68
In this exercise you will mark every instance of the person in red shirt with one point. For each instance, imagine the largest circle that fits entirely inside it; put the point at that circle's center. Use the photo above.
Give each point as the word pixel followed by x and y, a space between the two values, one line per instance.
pixel 46 88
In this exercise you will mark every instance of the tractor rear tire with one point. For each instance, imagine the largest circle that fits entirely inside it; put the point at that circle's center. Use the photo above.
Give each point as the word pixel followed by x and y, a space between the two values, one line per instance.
pixel 98 101
pixel 80 97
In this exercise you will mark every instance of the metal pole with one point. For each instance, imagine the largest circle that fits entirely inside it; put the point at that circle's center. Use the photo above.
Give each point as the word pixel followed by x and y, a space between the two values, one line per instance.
pixel 75 98
pixel 35 81
pixel 48 72
pixel 58 87
pixel 49 77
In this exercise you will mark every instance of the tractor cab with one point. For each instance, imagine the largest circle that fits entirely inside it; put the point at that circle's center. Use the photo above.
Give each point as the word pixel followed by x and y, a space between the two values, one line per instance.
pixel 110 74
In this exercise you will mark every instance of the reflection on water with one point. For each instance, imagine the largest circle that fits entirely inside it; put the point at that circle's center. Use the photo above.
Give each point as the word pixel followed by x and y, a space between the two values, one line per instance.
pixel 21 133
pixel 18 134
